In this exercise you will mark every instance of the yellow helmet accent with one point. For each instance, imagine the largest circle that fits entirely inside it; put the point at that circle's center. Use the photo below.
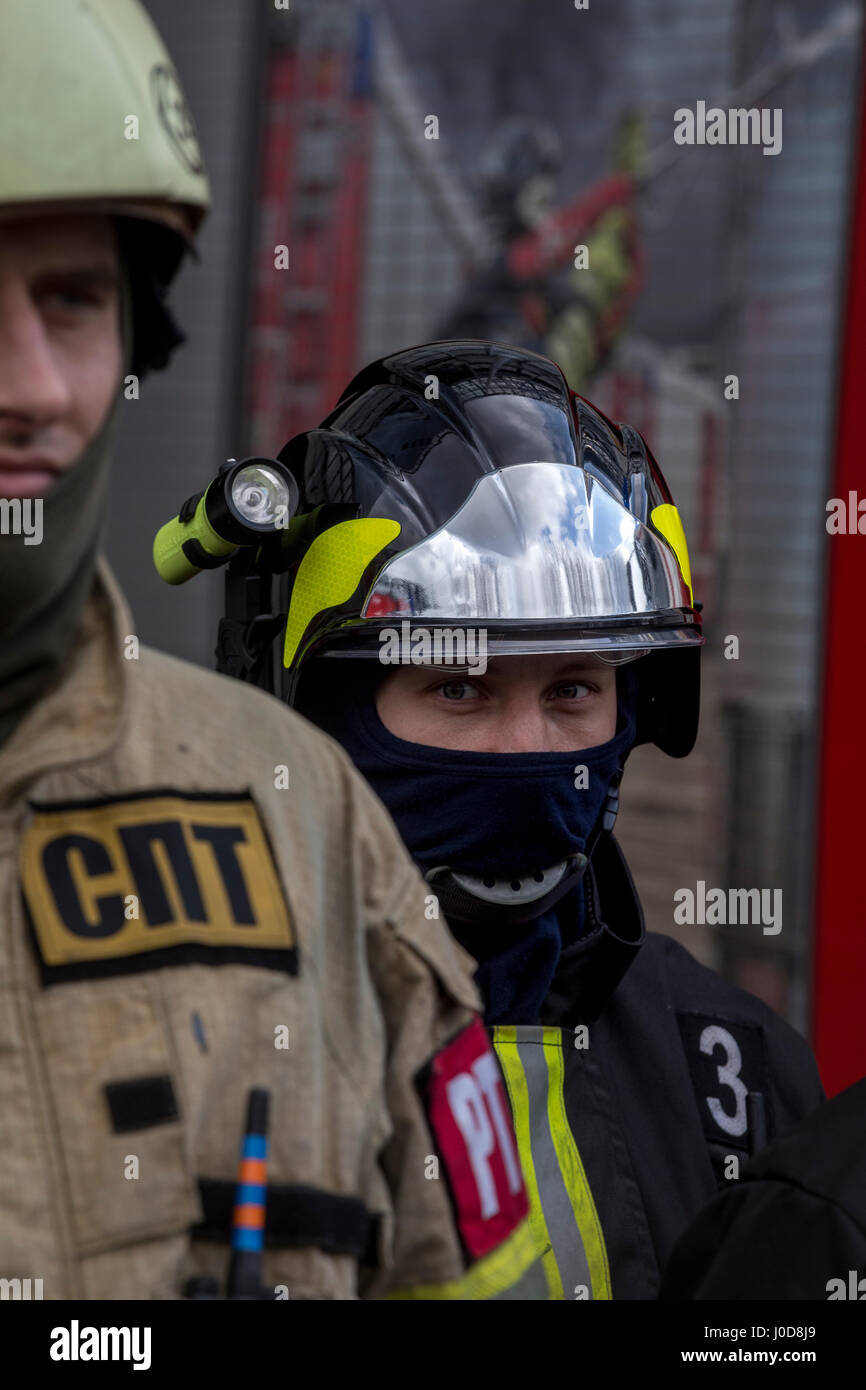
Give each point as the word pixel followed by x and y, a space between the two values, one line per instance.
pixel 331 571
pixel 92 115
pixel 666 519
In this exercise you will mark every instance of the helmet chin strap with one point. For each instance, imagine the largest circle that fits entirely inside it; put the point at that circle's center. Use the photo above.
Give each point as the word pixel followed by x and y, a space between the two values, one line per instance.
pixel 486 900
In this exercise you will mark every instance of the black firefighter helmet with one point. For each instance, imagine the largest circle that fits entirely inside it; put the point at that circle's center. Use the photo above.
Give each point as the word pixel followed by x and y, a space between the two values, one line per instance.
pixel 463 485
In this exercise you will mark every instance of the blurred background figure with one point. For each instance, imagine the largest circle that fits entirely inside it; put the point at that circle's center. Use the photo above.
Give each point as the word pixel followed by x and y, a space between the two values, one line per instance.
pixel 546 288
pixel 388 172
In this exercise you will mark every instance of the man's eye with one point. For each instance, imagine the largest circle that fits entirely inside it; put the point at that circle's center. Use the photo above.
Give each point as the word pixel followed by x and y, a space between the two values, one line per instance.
pixel 457 690
pixel 573 690
pixel 73 297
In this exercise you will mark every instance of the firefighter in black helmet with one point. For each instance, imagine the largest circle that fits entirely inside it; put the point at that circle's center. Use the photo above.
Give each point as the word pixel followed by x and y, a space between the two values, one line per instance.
pixel 489 604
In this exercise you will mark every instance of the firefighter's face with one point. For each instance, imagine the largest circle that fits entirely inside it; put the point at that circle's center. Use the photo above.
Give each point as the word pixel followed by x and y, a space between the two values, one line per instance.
pixel 60 344
pixel 521 704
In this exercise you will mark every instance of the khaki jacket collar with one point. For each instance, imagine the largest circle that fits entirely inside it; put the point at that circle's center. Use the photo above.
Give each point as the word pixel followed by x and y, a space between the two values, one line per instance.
pixel 83 716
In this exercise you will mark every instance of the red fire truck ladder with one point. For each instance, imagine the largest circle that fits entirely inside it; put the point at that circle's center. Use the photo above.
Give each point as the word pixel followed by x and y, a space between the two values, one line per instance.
pixel 312 202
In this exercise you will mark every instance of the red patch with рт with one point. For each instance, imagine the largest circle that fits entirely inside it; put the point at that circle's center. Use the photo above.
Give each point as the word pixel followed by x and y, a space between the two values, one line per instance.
pixel 470 1118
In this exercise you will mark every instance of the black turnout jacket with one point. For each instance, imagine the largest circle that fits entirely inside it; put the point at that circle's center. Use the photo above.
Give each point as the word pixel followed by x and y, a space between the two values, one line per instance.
pixel 630 1094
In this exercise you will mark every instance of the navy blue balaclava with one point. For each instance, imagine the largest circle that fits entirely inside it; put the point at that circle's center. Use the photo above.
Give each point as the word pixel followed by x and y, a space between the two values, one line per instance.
pixel 487 813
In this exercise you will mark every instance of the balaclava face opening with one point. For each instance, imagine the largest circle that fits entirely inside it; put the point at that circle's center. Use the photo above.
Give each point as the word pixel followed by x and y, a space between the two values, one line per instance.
pixel 482 814
pixel 44 587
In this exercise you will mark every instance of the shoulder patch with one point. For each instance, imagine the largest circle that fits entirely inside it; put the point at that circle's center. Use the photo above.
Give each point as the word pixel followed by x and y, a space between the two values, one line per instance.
pixel 471 1123
pixel 727 1060
pixel 155 878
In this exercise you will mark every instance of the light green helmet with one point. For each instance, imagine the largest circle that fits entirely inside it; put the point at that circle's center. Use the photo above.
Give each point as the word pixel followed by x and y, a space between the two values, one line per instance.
pixel 92 116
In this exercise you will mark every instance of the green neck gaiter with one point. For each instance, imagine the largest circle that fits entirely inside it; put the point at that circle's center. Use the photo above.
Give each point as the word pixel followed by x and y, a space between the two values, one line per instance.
pixel 44 587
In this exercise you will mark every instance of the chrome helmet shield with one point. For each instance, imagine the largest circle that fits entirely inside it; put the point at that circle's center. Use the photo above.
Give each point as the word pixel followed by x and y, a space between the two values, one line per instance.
pixel 536 542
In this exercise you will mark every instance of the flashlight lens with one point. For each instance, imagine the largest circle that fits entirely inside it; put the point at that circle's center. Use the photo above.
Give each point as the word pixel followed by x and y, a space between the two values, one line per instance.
pixel 257 492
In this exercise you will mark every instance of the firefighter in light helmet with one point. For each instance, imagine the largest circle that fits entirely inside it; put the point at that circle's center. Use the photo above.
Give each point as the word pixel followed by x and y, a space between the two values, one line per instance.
pixel 165 904
pixel 102 188
pixel 458 498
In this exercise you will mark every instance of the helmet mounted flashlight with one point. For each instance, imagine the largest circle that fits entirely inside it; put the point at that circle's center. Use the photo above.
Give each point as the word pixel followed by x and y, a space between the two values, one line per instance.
pixel 248 503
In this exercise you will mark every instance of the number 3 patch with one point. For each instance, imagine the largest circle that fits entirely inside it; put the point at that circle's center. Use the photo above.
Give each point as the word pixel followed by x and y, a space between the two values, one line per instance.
pixel 471 1123
pixel 726 1061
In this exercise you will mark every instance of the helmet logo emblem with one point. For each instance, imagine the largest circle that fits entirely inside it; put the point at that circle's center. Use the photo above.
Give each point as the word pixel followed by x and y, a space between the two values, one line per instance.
pixel 176 116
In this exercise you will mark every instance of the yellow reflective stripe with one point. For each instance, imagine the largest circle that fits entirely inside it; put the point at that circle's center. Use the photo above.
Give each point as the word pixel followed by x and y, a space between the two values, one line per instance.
pixel 492 1275
pixel 571 1166
pixel 666 519
pixel 331 571
pixel 505 1043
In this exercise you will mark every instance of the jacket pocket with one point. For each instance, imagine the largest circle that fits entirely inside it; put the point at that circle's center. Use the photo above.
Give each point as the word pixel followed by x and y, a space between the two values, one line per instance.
pixel 111 1075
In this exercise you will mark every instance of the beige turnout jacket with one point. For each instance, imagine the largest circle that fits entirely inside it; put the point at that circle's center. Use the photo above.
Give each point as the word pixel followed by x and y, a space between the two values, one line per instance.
pixel 178 925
